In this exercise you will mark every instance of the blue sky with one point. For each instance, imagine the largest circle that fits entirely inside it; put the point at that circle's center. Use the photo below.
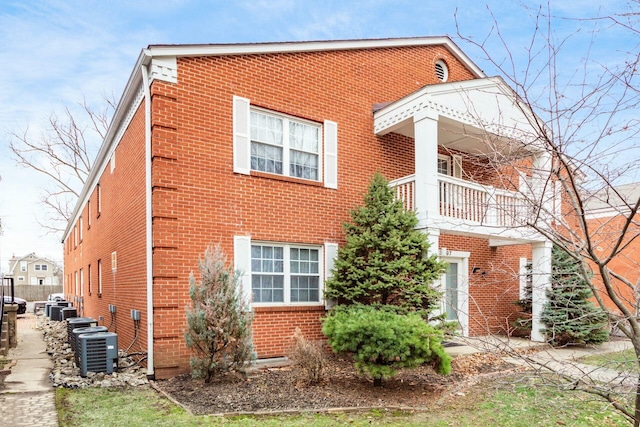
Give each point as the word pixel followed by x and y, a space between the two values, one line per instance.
pixel 55 53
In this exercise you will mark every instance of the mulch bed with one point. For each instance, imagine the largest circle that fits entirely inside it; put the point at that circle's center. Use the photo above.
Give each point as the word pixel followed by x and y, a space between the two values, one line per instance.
pixel 285 389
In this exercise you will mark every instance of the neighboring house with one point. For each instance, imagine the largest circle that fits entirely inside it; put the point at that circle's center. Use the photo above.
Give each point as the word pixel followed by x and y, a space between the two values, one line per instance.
pixel 33 270
pixel 607 212
pixel 265 148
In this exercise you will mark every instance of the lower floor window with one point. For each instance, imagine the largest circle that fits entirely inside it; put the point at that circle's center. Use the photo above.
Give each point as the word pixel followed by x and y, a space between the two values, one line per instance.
pixel 284 273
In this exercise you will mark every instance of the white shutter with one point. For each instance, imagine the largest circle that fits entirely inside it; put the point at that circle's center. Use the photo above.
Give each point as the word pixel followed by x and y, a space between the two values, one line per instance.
pixel 330 154
pixel 241 136
pixel 242 264
pixel 557 200
pixel 457 166
pixel 330 255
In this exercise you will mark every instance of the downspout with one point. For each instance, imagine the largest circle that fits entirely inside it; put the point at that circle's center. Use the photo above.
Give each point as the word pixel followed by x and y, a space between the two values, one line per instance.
pixel 148 213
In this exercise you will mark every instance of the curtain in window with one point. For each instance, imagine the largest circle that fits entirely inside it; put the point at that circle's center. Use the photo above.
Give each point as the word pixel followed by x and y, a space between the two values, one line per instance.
pixel 266 143
pixel 304 140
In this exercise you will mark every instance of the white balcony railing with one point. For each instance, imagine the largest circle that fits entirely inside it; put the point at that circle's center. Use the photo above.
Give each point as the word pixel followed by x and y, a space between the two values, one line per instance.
pixel 467 201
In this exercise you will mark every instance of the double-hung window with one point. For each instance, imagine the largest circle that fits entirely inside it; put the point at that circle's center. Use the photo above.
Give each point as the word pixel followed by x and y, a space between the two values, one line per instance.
pixel 285 274
pixel 266 141
pixel 284 146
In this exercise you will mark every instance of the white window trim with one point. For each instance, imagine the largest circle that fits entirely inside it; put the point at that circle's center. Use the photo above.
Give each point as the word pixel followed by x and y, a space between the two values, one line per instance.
pixel 99 277
pixel 462 258
pixel 327 144
pixel 286 146
pixel 242 265
pixel 448 160
pixel 454 165
pixel 287 274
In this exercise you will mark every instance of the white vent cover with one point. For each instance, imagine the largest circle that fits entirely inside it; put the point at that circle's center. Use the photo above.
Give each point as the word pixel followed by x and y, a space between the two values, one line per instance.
pixel 442 71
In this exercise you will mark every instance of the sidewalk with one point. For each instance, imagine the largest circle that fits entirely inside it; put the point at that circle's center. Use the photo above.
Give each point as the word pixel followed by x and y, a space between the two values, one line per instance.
pixel 27 398
pixel 562 361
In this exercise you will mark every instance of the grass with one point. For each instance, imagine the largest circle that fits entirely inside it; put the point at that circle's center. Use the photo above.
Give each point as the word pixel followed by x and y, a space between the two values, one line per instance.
pixel 4 362
pixel 512 402
pixel 625 361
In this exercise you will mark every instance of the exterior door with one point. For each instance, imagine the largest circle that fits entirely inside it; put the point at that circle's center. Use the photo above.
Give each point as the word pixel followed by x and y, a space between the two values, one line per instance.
pixel 454 285
pixel 451 291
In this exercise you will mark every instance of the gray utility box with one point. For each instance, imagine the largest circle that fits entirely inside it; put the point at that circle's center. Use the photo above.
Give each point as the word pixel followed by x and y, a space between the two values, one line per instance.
pixel 47 308
pixel 68 312
pixel 98 352
pixel 75 345
pixel 78 322
pixel 55 312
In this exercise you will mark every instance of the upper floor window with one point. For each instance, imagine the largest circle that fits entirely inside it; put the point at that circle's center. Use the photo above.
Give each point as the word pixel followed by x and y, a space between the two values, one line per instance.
pixel 450 165
pixel 275 143
pixel 23 266
pixel 284 146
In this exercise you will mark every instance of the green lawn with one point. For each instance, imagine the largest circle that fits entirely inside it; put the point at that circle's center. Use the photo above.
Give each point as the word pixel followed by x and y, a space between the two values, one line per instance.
pixel 505 403
pixel 625 361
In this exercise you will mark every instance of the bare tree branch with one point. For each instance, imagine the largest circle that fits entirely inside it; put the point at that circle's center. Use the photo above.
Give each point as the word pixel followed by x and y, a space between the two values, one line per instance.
pixel 63 154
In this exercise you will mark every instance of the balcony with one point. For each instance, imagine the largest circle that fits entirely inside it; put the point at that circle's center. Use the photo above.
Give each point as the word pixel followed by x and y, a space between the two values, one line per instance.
pixel 468 203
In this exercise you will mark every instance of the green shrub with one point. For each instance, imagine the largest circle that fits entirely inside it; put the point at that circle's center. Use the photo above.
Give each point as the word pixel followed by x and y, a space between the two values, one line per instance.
pixel 218 323
pixel 382 340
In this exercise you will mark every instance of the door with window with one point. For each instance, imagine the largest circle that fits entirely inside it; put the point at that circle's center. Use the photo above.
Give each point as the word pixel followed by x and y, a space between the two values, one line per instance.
pixel 454 285
pixel 451 291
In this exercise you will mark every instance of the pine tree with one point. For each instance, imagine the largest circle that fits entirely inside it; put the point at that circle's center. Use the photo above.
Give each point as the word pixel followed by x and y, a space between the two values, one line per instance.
pixel 569 316
pixel 385 258
pixel 218 324
pixel 383 285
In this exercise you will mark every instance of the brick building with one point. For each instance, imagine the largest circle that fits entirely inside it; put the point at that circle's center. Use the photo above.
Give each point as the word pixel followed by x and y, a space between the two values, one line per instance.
pixel 265 148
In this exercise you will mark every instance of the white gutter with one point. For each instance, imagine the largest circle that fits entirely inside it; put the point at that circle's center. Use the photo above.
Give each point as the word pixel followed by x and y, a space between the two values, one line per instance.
pixel 148 212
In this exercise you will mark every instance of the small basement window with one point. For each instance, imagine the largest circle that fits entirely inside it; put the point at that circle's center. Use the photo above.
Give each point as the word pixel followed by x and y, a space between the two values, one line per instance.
pixel 442 71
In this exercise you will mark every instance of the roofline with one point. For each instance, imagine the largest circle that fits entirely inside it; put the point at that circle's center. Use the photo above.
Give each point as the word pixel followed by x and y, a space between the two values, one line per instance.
pixel 135 80
pixel 192 50
pixel 195 50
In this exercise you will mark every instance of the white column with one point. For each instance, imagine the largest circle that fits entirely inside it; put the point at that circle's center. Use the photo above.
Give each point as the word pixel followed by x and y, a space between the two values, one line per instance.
pixel 426 167
pixel 541 274
pixel 433 236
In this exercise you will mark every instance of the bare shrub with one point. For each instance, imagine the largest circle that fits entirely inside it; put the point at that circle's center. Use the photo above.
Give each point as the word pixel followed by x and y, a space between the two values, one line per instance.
pixel 309 356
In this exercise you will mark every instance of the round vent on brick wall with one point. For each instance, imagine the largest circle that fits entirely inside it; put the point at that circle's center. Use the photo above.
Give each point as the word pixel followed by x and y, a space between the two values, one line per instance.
pixel 442 72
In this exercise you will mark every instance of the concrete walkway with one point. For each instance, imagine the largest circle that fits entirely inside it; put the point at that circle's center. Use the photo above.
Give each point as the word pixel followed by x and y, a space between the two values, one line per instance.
pixel 27 398
pixel 561 361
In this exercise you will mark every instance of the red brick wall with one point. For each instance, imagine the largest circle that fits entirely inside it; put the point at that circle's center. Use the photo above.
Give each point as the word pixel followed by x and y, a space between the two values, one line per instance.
pixel 119 227
pixel 491 295
pixel 198 200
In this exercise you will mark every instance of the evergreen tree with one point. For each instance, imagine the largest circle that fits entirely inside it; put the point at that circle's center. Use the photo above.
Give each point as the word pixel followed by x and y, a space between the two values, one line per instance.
pixel 385 258
pixel 218 324
pixel 569 316
pixel 383 285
